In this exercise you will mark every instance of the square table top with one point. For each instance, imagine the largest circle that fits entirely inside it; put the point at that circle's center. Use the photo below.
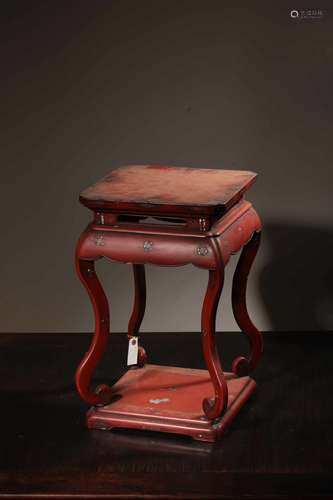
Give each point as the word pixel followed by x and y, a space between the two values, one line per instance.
pixel 168 190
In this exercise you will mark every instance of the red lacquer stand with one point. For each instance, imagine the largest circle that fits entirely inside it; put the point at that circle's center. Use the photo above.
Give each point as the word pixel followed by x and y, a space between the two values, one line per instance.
pixel 199 217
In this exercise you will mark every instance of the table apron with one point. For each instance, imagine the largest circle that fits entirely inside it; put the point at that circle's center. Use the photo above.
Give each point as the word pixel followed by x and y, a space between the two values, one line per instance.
pixel 164 250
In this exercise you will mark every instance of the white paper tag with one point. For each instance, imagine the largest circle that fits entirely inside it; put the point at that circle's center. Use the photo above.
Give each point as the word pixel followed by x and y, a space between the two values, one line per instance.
pixel 132 356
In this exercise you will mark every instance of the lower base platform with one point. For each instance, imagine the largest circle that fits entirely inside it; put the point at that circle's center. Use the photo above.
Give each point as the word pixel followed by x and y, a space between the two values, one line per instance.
pixel 169 399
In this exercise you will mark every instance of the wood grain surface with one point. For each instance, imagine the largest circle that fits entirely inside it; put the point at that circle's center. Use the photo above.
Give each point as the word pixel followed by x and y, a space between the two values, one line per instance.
pixel 151 188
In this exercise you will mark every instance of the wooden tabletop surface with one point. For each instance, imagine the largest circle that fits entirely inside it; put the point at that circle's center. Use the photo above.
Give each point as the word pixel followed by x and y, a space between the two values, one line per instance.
pixel 151 186
pixel 280 445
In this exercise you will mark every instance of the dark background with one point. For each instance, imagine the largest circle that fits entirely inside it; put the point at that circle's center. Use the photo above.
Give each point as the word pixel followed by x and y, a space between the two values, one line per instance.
pixel 91 85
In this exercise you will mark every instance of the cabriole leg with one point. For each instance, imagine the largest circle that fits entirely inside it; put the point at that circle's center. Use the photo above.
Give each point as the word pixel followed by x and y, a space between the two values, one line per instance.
pixel 213 408
pixel 139 308
pixel 242 365
pixel 102 394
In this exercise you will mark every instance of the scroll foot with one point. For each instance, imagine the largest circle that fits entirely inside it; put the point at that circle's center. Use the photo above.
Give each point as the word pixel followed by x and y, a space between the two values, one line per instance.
pixel 213 408
pixel 102 395
pixel 242 365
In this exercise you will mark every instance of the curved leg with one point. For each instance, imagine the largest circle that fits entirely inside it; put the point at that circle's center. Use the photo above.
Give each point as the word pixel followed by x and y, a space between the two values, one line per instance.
pixel 102 395
pixel 242 365
pixel 213 408
pixel 138 308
